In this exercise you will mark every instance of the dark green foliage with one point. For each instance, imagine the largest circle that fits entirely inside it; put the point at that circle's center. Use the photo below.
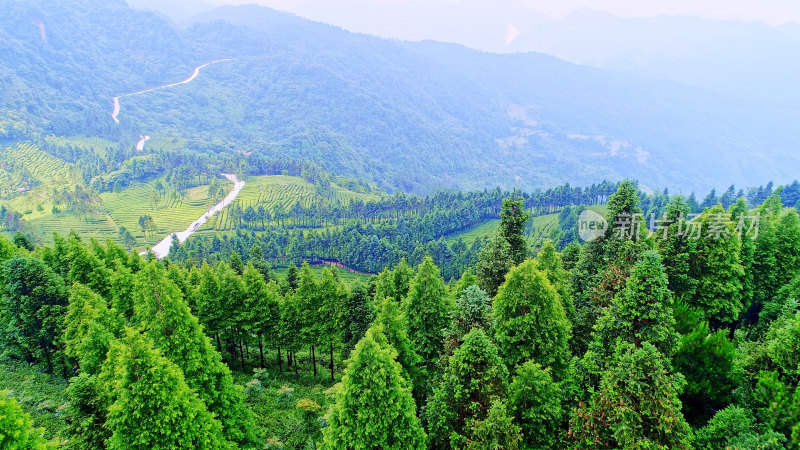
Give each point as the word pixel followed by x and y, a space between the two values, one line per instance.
pixel 716 267
pixel 530 320
pixel 635 405
pixel 706 360
pixel 87 412
pixel 513 218
pixel 779 405
pixel 474 378
pixel 642 311
pixel 473 309
pixel 535 402
pixel 33 305
pixel 494 262
pixel 373 386
pixel 358 315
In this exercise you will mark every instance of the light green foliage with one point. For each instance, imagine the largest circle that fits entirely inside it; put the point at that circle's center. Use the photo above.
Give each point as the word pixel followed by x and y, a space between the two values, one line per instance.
pixel 513 218
pixel 373 387
pixel 530 320
pixel 735 428
pixel 16 427
pixel 427 311
pixel 783 343
pixel 496 432
pixel 494 262
pixel 535 402
pixel 635 406
pixel 394 283
pixel 550 261
pixel 164 316
pixel 717 269
pixel 467 279
pixel 642 311
pixel 330 327
pixel 474 378
pixel 390 322
pixel 153 407
pixel 89 329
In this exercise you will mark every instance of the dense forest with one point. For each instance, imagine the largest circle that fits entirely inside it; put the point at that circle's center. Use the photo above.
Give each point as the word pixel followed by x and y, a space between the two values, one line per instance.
pixel 641 338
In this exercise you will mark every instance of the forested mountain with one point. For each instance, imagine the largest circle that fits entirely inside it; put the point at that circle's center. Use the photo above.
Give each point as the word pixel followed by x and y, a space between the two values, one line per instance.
pixel 414 116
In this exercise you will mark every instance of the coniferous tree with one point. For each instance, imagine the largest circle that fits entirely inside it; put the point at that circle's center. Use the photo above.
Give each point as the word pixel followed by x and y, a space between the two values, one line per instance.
pixel 390 322
pixel 635 405
pixel 494 262
pixel 373 387
pixel 330 322
pixel 642 311
pixel 308 294
pixel 164 316
pixel 474 378
pixel 32 309
pixel 716 267
pixel 535 401
pixel 530 320
pixel 358 315
pixel 496 431
pixel 550 261
pixel 427 311
pixel 513 218
pixel 153 406
pixel 263 305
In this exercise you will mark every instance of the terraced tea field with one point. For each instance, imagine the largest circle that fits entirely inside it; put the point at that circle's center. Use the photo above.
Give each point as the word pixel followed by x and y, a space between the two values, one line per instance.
pixel 271 191
pixel 173 212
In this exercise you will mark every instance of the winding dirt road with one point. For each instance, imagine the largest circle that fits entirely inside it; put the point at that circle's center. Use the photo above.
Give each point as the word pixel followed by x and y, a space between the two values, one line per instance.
pixel 188 80
pixel 161 249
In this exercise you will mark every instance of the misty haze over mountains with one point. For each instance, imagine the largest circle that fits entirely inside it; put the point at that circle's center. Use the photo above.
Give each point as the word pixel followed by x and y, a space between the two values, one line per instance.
pixel 417 116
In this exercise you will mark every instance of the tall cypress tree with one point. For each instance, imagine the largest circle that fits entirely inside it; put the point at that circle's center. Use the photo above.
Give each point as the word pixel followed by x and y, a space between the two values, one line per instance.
pixel 164 316
pixel 427 311
pixel 374 407
pixel 530 320
pixel 154 408
pixel 513 218
pixel 474 378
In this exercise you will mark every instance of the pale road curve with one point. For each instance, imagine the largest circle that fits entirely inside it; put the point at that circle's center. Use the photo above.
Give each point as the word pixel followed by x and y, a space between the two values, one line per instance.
pixel 188 80
pixel 161 249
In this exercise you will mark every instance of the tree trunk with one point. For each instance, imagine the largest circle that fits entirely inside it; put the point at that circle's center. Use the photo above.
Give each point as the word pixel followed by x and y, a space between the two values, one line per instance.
pixel 280 361
pixel 261 350
pixel 219 344
pixel 288 359
pixel 294 356
pixel 241 354
pixel 314 360
pixel 331 361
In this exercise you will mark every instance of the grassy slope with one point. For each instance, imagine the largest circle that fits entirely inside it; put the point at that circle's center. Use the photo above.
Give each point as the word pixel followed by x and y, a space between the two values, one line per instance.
pixel 42 396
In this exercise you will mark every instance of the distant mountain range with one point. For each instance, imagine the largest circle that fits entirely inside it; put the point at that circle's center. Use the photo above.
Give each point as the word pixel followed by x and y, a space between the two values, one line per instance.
pixel 414 116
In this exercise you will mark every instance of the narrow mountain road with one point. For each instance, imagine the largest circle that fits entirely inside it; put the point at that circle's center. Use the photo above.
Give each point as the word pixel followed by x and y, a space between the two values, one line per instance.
pixel 188 80
pixel 161 249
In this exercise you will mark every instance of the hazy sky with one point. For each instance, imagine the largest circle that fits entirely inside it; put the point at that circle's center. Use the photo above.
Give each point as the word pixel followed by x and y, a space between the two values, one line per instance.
pixel 774 12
